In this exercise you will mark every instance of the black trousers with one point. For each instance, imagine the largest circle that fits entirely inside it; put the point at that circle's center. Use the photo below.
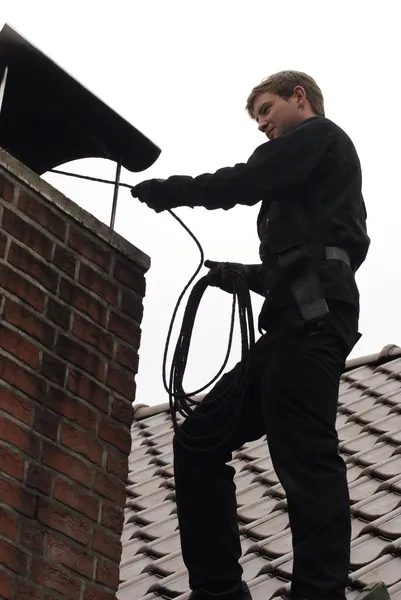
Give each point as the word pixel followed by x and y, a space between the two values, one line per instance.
pixel 292 397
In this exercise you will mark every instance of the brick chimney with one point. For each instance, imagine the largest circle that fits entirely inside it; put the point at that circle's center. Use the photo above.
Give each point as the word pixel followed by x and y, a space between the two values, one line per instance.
pixel 70 314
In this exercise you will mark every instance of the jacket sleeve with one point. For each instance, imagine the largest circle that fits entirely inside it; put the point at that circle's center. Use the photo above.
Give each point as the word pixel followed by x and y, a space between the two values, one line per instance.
pixel 278 165
pixel 253 279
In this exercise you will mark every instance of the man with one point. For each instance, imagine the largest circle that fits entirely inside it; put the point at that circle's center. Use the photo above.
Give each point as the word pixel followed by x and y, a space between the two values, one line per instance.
pixel 312 230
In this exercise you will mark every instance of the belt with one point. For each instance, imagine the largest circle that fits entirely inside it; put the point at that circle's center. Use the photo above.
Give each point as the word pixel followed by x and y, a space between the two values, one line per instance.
pixel 305 287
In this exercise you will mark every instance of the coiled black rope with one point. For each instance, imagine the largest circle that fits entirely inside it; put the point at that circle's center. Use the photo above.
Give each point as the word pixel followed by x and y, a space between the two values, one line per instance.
pixel 222 410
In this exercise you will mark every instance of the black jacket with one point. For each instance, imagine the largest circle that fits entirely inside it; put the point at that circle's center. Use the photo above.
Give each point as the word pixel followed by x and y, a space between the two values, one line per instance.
pixel 309 182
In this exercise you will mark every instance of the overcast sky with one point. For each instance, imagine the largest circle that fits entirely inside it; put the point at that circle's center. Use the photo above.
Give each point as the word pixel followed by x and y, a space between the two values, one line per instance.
pixel 181 71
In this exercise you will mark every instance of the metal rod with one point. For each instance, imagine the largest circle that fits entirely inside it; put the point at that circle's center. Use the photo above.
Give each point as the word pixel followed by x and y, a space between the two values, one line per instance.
pixel 97 179
pixel 3 85
pixel 115 195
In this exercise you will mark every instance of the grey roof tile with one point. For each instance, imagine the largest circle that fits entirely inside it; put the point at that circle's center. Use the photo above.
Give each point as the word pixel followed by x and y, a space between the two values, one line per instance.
pixel 138 587
pixel 369 426
pixel 386 568
pixel 376 506
pixel 365 549
pixel 252 512
pixel 363 487
pixel 395 591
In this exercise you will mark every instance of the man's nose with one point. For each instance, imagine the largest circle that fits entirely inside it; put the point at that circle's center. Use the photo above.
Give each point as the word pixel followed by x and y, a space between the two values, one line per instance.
pixel 262 124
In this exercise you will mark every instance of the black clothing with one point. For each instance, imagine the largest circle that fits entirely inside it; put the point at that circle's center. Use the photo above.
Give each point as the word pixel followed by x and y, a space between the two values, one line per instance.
pixel 236 592
pixel 291 395
pixel 309 182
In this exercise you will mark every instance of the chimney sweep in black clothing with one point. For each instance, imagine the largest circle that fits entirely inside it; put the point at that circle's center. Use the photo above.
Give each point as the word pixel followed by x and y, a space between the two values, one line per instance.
pixel 312 231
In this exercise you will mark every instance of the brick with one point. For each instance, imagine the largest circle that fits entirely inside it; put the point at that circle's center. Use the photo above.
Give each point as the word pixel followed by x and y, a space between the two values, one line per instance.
pixel 68 555
pixel 39 479
pixel 39 212
pixel 22 438
pixel 122 410
pixel 127 357
pixel 6 189
pixel 97 283
pixel 107 573
pixel 106 544
pixel 81 442
pixel 21 317
pixel 112 517
pixel 78 499
pixel 18 377
pixel 53 577
pixel 93 592
pixel 88 390
pixel 29 264
pixel 32 536
pixel 52 368
pixel 130 275
pixel 122 382
pixel 65 260
pixel 16 497
pixel 8 524
pixel 86 246
pixel 62 520
pixel 58 313
pixel 79 355
pixel 131 304
pixel 126 329
pixel 12 463
pixel 115 435
pixel 27 234
pixel 3 244
pixel 72 409
pixel 6 586
pixel 27 591
pixel 65 463
pixel 93 335
pixel 109 488
pixel 82 301
pixel 46 423
pixel 15 405
pixel 13 558
pixel 117 464
pixel 26 291
pixel 20 347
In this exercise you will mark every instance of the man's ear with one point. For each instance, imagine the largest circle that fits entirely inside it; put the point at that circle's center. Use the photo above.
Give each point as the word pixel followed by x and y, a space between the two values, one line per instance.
pixel 300 95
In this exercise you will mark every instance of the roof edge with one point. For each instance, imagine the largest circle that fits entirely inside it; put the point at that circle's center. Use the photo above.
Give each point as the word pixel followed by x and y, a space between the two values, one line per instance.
pixel 388 353
pixel 142 411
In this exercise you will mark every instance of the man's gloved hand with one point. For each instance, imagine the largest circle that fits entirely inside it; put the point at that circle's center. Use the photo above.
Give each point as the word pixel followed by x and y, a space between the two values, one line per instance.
pixel 151 192
pixel 219 275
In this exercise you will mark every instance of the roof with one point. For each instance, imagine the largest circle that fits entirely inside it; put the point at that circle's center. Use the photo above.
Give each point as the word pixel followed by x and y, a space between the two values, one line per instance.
pixel 47 118
pixel 369 427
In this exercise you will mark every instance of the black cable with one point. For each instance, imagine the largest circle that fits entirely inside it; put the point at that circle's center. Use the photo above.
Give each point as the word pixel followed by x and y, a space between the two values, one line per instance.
pixel 223 408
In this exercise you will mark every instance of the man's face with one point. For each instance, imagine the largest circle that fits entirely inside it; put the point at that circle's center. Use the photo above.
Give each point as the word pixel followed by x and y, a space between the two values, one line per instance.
pixel 277 116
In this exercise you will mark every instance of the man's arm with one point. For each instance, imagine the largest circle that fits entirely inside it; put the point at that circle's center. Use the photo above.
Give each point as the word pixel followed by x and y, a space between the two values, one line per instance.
pixel 283 163
pixel 254 280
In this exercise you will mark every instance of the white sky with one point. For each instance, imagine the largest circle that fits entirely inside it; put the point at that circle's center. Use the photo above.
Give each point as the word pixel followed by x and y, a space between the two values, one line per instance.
pixel 181 71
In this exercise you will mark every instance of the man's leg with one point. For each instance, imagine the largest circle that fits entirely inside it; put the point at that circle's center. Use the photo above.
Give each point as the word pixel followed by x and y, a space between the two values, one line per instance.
pixel 299 401
pixel 206 501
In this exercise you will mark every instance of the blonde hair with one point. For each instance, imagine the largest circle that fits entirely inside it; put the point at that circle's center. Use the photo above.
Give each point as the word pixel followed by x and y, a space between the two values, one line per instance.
pixel 283 84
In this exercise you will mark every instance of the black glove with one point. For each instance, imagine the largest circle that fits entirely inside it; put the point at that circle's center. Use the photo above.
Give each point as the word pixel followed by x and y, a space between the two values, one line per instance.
pixel 152 192
pixel 219 274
